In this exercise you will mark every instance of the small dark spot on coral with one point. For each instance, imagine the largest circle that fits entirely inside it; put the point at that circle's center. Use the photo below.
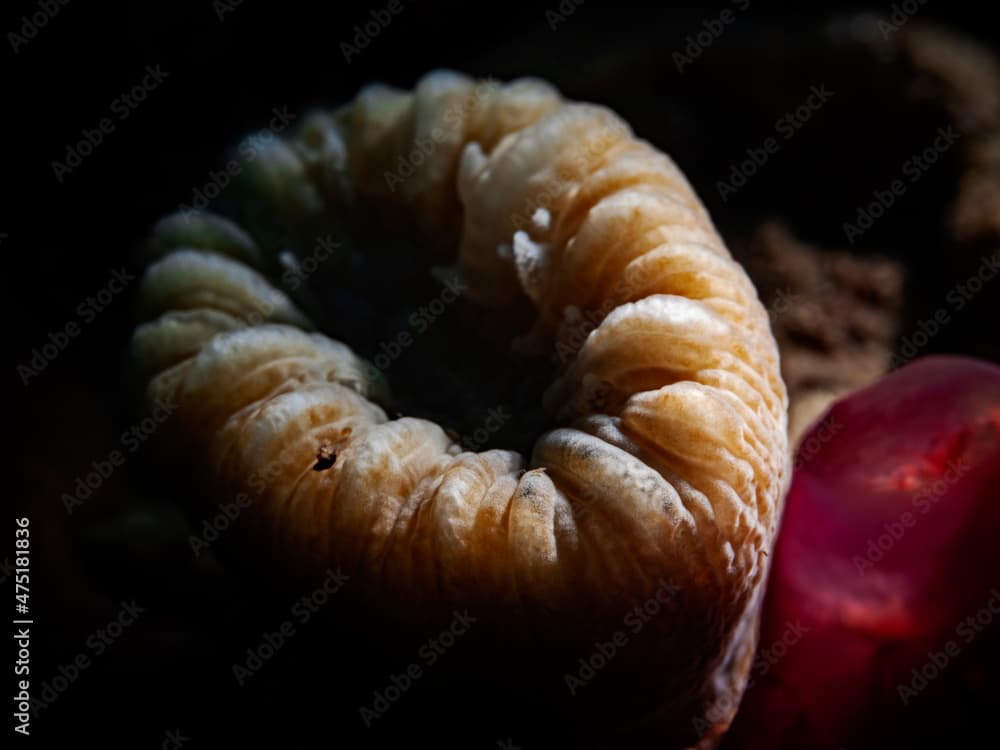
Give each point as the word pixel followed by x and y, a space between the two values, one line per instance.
pixel 325 458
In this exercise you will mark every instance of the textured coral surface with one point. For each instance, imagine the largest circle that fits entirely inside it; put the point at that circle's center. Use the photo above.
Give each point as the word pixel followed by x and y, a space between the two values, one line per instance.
pixel 664 460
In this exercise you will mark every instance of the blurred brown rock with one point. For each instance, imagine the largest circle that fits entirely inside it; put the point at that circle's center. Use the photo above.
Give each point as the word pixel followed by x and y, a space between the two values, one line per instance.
pixel 835 316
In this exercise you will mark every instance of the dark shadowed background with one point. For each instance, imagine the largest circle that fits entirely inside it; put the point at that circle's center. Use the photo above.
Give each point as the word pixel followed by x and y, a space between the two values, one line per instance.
pixel 223 70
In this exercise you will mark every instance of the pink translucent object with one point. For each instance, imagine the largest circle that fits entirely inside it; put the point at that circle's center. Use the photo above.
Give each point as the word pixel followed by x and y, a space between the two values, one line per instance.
pixel 890 543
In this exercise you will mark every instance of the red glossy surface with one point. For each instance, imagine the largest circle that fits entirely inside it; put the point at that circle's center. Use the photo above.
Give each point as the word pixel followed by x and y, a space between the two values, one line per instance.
pixel 890 542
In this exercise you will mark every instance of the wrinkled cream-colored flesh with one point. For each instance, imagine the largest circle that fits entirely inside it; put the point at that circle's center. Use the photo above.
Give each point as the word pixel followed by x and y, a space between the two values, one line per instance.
pixel 671 458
